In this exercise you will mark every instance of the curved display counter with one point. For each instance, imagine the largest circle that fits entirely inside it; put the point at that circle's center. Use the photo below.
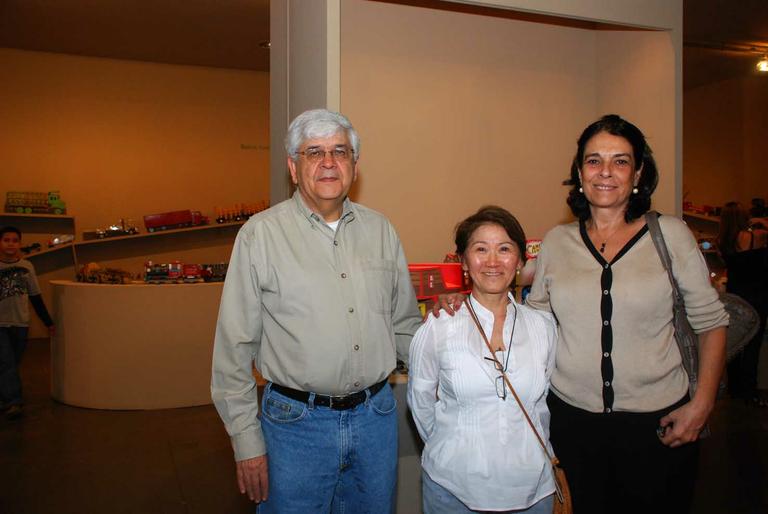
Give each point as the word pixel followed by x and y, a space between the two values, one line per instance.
pixel 133 346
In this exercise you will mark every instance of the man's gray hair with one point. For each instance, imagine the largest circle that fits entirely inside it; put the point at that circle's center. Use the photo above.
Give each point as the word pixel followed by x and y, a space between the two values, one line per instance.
pixel 319 123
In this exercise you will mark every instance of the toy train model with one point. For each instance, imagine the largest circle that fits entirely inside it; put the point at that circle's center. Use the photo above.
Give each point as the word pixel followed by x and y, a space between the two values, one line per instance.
pixel 177 272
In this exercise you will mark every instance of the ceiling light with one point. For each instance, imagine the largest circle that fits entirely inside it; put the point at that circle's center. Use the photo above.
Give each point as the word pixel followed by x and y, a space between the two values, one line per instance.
pixel 762 64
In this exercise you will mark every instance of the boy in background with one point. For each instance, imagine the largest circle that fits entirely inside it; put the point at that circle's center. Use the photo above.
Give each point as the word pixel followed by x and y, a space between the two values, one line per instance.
pixel 17 282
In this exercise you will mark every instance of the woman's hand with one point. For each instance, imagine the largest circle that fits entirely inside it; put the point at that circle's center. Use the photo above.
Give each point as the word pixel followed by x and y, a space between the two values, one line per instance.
pixel 682 425
pixel 450 303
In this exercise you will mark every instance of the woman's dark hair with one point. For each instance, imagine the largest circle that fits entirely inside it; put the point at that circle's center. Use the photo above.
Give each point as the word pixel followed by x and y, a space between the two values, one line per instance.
pixel 490 215
pixel 615 125
pixel 733 219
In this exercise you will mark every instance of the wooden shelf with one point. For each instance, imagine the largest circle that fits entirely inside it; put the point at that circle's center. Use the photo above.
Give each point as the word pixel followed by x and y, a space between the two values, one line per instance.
pixel 704 217
pixel 49 216
pixel 47 250
pixel 159 233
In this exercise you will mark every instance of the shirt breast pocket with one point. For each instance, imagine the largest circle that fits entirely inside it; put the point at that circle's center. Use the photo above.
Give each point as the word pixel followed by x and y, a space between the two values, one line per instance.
pixel 379 275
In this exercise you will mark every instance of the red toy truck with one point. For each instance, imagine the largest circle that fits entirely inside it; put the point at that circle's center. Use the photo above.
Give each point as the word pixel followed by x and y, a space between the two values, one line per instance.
pixel 174 219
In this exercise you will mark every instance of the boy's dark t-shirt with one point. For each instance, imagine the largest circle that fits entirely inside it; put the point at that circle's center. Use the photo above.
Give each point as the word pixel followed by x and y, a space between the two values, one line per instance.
pixel 17 282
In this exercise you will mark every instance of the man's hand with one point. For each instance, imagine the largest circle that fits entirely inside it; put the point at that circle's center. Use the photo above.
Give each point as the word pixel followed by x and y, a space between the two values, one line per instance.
pixel 253 478
pixel 682 426
pixel 450 303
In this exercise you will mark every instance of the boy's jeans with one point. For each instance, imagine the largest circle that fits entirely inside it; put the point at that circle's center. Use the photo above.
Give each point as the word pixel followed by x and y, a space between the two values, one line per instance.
pixel 324 460
pixel 13 342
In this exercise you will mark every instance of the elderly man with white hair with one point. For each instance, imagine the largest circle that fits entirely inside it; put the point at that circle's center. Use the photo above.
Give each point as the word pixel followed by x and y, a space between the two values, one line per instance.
pixel 319 297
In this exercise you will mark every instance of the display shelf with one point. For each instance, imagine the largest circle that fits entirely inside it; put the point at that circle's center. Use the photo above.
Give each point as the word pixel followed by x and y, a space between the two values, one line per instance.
pixel 704 217
pixel 703 226
pixel 50 216
pixel 158 233
pixel 47 251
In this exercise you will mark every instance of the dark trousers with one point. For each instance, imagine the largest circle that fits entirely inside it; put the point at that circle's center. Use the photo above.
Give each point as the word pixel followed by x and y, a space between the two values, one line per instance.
pixel 13 342
pixel 615 462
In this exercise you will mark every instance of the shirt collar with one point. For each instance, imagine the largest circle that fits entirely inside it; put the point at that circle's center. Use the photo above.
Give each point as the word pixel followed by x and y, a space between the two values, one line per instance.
pixel 346 209
pixel 486 315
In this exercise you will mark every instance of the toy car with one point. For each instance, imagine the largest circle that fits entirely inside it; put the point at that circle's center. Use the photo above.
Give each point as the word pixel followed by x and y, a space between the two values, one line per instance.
pixel 60 240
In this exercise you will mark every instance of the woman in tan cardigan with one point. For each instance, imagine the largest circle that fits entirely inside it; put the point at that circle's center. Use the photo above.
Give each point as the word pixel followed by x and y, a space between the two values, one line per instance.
pixel 623 425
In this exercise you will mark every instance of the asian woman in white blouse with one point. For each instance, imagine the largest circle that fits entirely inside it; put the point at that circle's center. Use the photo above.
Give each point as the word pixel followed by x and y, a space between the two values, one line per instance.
pixel 480 454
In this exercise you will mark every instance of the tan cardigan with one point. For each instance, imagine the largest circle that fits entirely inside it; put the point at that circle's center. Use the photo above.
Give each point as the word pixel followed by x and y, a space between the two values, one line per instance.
pixel 616 350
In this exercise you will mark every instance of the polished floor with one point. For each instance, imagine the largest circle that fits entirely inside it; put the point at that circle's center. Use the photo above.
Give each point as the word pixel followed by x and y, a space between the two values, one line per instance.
pixel 60 459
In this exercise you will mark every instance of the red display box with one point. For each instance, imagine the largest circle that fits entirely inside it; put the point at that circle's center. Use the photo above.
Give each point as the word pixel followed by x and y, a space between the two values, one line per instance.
pixel 432 279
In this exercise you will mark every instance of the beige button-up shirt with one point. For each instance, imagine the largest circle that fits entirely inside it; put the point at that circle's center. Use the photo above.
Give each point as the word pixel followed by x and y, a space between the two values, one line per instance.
pixel 316 310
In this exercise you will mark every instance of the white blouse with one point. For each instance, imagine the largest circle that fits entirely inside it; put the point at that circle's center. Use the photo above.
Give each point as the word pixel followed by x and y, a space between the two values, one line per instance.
pixel 477 445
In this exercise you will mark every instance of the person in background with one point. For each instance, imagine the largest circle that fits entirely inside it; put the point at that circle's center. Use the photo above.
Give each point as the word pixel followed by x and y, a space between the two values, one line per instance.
pixel 480 454
pixel 743 243
pixel 318 296
pixel 18 283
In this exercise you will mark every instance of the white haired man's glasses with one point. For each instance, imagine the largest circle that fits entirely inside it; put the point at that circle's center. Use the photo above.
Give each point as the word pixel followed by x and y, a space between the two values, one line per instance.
pixel 339 154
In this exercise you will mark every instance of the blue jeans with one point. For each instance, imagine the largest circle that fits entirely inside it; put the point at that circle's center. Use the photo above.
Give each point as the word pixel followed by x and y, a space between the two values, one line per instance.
pixel 13 342
pixel 322 460
pixel 439 500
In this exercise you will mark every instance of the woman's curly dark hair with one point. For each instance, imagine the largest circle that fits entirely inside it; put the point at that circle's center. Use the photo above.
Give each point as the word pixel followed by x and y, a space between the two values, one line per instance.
pixel 615 125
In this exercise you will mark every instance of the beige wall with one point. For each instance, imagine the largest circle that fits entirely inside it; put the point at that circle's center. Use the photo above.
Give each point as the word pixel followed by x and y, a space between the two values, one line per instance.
pixel 456 111
pixel 637 81
pixel 726 126
pixel 121 139
pixel 127 138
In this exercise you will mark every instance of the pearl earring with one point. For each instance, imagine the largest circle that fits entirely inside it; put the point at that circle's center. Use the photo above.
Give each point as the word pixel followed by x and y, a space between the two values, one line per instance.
pixel 634 190
pixel 581 189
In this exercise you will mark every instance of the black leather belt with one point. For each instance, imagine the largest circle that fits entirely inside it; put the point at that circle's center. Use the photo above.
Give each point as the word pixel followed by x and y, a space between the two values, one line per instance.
pixel 334 402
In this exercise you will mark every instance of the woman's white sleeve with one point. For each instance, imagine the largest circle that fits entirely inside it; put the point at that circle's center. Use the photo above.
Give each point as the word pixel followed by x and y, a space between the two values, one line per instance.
pixel 423 372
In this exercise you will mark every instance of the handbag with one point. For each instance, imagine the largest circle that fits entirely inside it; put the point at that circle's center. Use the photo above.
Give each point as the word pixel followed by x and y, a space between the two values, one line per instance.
pixel 744 319
pixel 563 503
pixel 687 340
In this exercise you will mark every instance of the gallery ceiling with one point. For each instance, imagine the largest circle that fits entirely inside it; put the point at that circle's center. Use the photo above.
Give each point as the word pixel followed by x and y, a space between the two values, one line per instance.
pixel 232 33
pixel 713 30
pixel 219 33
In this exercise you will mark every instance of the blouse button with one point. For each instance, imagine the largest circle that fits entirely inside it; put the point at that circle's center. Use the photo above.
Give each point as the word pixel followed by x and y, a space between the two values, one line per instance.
pixel 343 275
pixel 606 354
pixel 607 266
pixel 605 292
pixel 607 409
pixel 357 384
pixel 357 347
pixel 607 384
pixel 351 310
pixel 335 243
pixel 605 323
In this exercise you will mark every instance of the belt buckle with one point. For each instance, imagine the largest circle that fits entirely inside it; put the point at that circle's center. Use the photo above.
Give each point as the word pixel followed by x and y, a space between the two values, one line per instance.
pixel 341 402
